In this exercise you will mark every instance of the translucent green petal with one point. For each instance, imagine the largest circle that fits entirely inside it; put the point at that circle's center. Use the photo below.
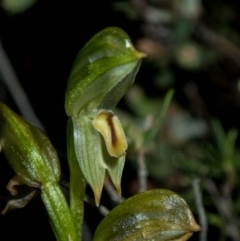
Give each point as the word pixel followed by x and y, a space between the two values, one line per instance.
pixel 88 149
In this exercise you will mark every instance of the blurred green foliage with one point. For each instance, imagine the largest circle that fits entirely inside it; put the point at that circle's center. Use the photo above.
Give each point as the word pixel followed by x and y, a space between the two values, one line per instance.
pixel 192 46
pixel 17 6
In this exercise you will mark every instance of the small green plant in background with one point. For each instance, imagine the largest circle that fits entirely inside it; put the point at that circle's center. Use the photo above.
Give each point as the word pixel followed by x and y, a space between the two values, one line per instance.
pixel 102 73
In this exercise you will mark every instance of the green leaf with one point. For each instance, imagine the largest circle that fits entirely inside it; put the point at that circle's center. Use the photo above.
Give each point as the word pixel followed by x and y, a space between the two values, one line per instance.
pixel 153 132
pixel 159 215
pixel 225 154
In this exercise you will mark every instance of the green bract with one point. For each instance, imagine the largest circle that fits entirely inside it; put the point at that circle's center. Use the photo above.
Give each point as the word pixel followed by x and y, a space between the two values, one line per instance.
pixel 159 215
pixel 28 150
pixel 102 73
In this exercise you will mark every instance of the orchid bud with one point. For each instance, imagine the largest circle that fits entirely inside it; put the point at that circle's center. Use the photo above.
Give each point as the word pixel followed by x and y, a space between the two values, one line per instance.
pixel 159 215
pixel 27 149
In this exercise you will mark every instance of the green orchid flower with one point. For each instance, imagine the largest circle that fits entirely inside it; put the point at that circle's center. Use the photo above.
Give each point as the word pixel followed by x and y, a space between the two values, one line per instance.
pixel 102 73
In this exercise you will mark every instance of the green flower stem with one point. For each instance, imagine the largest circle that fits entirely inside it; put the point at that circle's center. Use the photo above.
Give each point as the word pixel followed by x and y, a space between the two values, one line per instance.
pixel 60 216
pixel 77 183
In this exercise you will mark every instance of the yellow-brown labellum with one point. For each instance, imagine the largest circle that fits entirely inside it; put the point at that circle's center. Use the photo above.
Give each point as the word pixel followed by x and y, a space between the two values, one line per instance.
pixel 111 129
